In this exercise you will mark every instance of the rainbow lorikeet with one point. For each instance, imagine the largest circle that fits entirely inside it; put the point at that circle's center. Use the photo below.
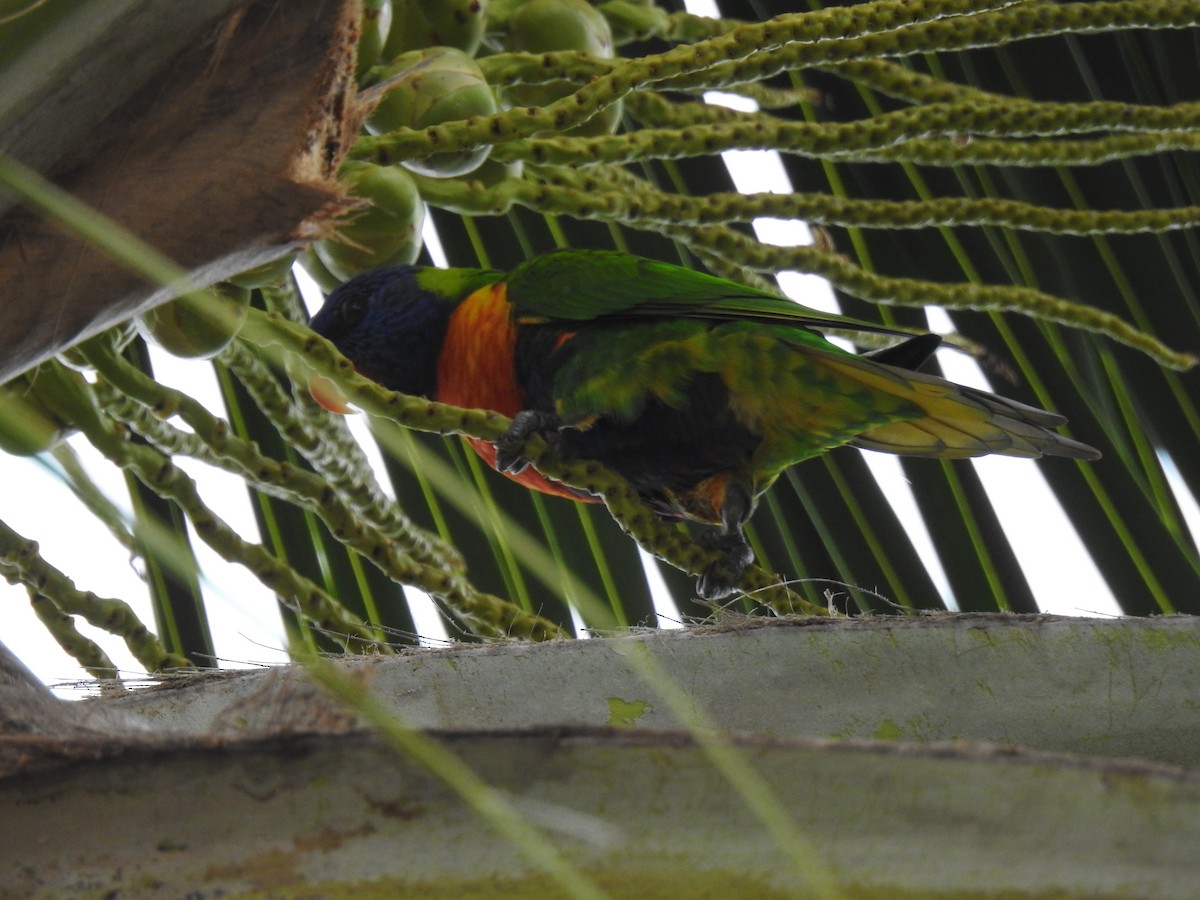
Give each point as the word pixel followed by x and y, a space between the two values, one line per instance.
pixel 697 390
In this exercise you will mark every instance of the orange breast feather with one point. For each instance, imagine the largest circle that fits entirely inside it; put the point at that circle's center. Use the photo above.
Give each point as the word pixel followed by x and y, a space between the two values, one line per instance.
pixel 476 370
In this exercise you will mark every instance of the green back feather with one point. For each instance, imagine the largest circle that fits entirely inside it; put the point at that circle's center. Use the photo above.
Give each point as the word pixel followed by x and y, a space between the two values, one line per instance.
pixel 584 285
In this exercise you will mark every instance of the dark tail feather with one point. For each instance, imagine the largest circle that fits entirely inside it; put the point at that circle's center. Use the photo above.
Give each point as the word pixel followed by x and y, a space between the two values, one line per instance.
pixel 911 354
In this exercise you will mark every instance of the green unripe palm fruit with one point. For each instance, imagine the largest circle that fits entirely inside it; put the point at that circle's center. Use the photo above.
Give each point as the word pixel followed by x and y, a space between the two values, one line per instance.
pixel 197 327
pixel 433 86
pixel 540 26
pixel 491 173
pixel 317 270
pixel 436 23
pixel 266 275
pixel 544 26
pixel 68 397
pixel 27 425
pixel 376 25
pixel 387 233
pixel 633 20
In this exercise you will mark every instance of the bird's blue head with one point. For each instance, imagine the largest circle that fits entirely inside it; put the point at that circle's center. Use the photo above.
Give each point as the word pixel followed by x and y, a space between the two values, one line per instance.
pixel 389 326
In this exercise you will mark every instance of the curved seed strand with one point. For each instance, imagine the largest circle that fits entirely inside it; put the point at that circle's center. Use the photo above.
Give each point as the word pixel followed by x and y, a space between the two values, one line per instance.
pixel 21 562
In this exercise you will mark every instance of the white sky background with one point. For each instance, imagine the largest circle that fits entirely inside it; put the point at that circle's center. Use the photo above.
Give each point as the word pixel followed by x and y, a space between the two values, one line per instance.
pixel 243 615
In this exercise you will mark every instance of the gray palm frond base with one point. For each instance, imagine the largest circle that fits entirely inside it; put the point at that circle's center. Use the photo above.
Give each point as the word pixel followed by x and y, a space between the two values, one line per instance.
pixel 946 755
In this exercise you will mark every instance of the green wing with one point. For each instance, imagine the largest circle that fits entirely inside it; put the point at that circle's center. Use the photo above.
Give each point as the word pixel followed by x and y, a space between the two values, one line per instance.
pixel 584 285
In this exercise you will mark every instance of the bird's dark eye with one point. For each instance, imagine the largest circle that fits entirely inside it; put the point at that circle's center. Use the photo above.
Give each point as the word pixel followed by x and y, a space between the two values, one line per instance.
pixel 353 310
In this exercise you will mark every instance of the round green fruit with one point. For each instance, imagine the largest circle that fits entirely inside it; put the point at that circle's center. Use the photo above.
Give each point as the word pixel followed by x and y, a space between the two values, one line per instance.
pixel 317 270
pixel 266 275
pixel 387 233
pixel 376 25
pixel 544 26
pixel 433 87
pixel 491 173
pixel 541 26
pixel 27 425
pixel 441 23
pixel 183 327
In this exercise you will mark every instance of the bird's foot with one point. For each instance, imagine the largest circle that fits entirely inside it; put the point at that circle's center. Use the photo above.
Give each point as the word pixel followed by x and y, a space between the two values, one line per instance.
pixel 719 580
pixel 510 447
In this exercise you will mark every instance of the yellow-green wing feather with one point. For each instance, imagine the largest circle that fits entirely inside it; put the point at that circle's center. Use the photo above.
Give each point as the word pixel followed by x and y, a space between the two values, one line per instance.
pixel 802 395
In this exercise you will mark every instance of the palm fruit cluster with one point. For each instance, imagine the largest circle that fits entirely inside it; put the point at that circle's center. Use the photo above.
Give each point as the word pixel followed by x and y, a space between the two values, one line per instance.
pixel 417 66
pixel 417 63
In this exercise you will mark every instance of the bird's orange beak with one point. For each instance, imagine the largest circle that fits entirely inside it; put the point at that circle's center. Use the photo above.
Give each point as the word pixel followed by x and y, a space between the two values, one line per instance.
pixel 328 394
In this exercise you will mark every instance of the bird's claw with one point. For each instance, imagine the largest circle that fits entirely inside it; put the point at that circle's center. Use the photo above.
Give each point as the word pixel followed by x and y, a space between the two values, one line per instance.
pixel 719 580
pixel 510 446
